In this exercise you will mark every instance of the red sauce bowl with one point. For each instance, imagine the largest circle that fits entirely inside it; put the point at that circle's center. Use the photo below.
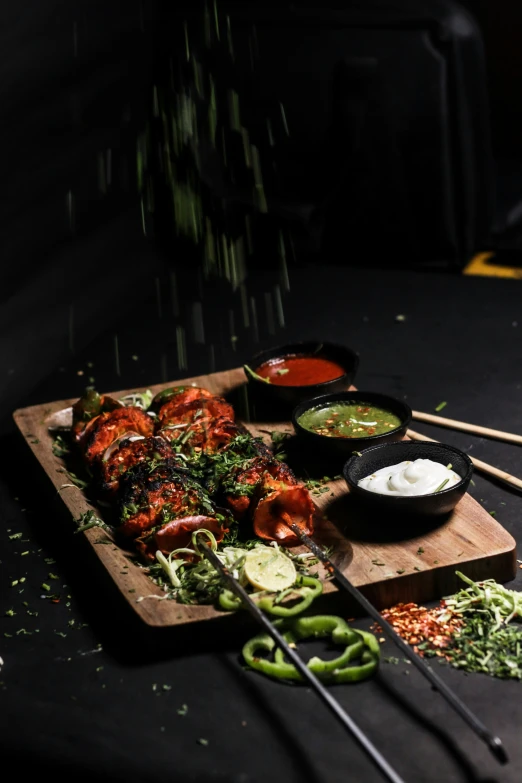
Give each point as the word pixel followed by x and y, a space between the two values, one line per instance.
pixel 300 371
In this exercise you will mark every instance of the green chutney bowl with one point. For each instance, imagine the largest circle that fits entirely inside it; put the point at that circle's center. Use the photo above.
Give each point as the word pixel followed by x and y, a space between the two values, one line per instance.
pixel 341 447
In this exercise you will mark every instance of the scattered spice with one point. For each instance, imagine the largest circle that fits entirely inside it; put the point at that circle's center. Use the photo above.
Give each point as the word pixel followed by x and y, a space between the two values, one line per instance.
pixel 472 630
pixel 422 628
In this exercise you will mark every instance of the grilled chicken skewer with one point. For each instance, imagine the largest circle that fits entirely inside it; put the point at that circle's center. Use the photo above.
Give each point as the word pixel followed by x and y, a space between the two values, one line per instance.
pixel 148 464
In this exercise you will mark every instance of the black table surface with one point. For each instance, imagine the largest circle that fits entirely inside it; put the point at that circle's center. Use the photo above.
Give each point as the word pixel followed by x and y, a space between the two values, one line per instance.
pixel 86 692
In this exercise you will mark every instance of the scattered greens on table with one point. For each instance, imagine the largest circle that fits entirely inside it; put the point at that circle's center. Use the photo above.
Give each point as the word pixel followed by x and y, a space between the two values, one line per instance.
pixel 490 640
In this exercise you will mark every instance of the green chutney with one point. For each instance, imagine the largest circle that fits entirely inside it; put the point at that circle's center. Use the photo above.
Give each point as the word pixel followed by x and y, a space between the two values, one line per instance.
pixel 349 420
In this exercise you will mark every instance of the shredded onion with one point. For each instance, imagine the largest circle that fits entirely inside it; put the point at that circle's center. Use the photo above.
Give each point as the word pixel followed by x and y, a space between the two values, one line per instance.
pixel 130 436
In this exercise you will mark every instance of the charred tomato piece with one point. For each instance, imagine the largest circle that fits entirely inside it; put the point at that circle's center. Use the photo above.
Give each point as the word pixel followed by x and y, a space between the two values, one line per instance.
pixel 178 533
pixel 279 506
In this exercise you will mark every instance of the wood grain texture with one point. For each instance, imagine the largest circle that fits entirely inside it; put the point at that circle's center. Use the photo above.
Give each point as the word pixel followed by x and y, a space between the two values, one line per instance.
pixel 387 560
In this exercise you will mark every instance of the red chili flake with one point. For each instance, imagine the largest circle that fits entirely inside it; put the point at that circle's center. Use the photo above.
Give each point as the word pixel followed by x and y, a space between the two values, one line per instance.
pixel 425 629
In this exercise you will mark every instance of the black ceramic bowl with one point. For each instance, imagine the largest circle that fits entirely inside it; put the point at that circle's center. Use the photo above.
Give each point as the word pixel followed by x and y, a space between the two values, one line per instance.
pixel 342 448
pixel 385 454
pixel 288 396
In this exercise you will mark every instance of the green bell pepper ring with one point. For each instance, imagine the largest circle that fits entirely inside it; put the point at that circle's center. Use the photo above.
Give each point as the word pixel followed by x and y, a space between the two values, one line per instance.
pixel 360 645
pixel 263 642
pixel 308 588
pixel 320 626
pixel 87 407
pixel 229 601
pixel 367 667
pixel 311 588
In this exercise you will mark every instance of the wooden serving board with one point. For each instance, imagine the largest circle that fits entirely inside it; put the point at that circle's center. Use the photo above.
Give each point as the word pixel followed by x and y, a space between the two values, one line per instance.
pixel 388 562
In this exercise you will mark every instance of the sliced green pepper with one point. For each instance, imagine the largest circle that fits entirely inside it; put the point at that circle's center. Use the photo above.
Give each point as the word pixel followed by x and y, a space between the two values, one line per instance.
pixel 359 645
pixel 229 601
pixel 307 588
pixel 320 626
pixel 87 407
pixel 310 589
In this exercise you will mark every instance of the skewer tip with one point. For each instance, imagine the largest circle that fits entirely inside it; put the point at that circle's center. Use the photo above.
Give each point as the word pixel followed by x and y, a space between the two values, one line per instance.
pixel 498 749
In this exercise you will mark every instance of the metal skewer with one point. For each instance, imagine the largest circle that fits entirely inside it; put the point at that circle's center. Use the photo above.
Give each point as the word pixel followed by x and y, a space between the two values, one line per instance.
pixel 305 672
pixel 494 743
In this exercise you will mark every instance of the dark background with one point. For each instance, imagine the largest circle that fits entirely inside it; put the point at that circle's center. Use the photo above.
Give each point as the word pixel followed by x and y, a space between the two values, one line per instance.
pixel 425 171
pixel 432 145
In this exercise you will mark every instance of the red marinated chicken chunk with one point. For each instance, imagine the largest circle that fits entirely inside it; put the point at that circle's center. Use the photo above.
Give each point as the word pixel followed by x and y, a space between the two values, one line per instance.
pixel 130 453
pixel 141 461
pixel 102 431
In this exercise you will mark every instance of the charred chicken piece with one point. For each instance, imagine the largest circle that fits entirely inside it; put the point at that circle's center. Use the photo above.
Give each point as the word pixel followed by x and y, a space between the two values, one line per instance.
pixel 161 509
pixel 175 414
pixel 150 498
pixel 179 394
pixel 102 431
pixel 151 451
pixel 245 482
pixel 202 435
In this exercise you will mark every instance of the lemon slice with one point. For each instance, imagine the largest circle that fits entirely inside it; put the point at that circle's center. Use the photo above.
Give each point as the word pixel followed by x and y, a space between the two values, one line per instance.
pixel 268 569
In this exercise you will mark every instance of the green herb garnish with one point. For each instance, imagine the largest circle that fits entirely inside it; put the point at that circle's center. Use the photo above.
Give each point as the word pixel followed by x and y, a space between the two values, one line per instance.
pixel 89 519
pixel 254 374
pixel 60 447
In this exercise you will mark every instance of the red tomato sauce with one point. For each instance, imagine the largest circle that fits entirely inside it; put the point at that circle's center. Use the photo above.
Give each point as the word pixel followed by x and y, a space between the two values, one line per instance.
pixel 300 370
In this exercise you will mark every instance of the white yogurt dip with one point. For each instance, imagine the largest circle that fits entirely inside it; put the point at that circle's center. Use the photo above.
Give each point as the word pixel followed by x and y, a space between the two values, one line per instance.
pixel 417 477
